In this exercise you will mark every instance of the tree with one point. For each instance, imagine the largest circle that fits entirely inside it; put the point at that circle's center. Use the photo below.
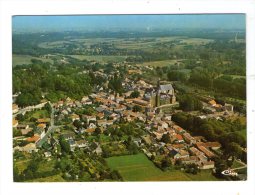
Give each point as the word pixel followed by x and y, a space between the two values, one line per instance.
pixel 165 163
pixel 20 117
pixel 97 131
pixel 233 150
pixel 48 107
pixel 135 94
pixel 177 76
pixel 189 103
pixel 137 108
pixel 166 138
pixel 65 147
pixel 77 124
pixel 16 174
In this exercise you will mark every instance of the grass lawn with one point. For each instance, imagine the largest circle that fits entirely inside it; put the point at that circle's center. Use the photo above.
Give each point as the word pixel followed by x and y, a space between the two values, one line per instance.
pixel 46 166
pixel 139 168
pixel 21 164
pixel 40 114
pixel 236 164
pixel 54 178
pixel 243 133
pixel 26 59
pixel 203 175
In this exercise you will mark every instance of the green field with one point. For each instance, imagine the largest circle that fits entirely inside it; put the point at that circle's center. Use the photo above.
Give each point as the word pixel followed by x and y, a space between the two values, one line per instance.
pixel 21 164
pixel 100 58
pixel 26 59
pixel 139 168
pixel 236 164
pixel 54 178
pixel 40 114
pixel 160 63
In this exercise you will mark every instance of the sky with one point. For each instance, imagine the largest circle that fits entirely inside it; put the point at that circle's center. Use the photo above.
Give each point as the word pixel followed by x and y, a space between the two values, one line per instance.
pixel 123 22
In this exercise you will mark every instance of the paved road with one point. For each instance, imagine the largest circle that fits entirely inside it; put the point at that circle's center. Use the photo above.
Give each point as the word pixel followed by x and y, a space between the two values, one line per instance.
pixel 29 108
pixel 51 128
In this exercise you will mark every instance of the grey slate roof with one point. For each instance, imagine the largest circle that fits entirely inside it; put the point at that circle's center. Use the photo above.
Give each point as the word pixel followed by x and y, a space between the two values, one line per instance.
pixel 165 87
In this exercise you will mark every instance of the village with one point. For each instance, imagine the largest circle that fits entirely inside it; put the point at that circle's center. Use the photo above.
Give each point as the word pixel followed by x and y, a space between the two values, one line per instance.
pixel 149 108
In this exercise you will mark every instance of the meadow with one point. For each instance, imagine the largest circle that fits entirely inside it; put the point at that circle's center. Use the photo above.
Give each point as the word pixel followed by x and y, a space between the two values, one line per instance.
pixel 139 168
pixel 100 58
pixel 26 59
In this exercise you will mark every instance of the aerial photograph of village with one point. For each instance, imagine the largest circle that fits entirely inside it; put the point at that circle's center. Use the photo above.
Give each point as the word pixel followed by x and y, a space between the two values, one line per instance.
pixel 102 98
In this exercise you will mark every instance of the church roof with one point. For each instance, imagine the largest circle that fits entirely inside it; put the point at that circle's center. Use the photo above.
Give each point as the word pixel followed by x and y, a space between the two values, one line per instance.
pixel 165 87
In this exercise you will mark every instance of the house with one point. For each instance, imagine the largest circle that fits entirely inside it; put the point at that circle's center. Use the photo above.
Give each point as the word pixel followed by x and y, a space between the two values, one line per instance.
pixel 212 102
pixel 75 117
pixel 26 131
pixel 89 118
pixel 207 152
pixel 168 117
pixel 183 153
pixel 163 124
pixel 82 143
pixel 104 123
pixel 178 154
pixel 147 139
pixel 228 107
pixel 178 129
pixel 198 153
pixel 114 116
pixel 84 99
pixel 92 126
pixel 47 154
pixel 189 139
pixel 137 141
pixel 20 127
pixel 212 145
pixel 179 138
pixel 68 136
pixel 90 130
pixel 34 139
pixel 31 147
pixel 209 110
pixel 178 147
pixel 199 138
pixel 72 144
pixel 59 104
pixel 43 120
pixel 15 108
pixel 172 152
pixel 98 150
pixel 78 104
pixel 15 123
pixel 41 125
pixel 207 165
pixel 81 130
pixel 190 160
pixel 40 132
pixel 100 115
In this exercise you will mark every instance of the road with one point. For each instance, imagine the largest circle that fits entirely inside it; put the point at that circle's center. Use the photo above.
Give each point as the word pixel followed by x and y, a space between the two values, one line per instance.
pixel 29 108
pixel 51 128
